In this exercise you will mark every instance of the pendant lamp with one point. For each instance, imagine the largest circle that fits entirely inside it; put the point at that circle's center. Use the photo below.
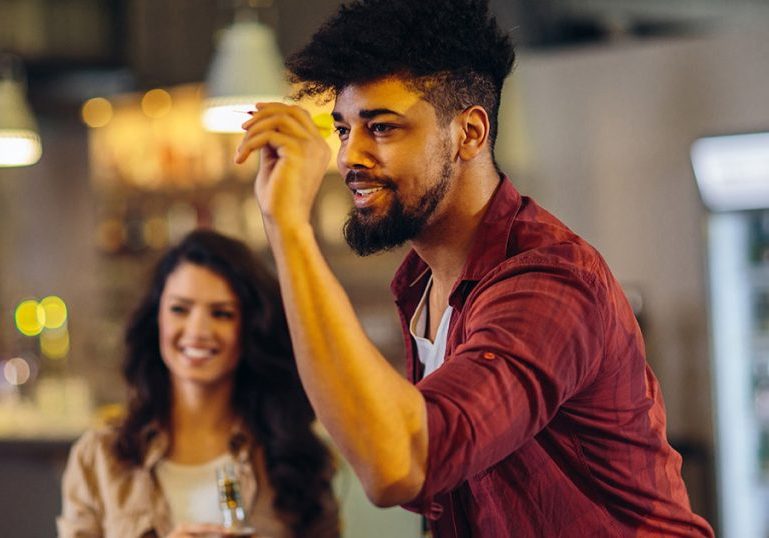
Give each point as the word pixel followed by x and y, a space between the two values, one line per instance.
pixel 19 139
pixel 247 67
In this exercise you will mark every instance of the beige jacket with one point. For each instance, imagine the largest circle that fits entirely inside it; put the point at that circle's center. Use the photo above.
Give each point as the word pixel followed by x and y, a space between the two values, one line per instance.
pixel 101 497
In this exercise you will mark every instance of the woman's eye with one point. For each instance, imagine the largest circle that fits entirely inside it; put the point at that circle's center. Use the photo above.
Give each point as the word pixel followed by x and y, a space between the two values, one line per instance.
pixel 224 314
pixel 178 309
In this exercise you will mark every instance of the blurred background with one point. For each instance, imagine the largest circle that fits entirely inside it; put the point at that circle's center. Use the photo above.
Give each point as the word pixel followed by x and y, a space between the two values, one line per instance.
pixel 613 106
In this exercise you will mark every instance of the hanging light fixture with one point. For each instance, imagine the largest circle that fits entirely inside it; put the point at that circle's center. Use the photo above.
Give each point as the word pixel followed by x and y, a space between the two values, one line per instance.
pixel 247 67
pixel 19 138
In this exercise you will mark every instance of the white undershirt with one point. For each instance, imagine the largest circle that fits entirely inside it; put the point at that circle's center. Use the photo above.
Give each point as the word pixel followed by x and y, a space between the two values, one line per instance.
pixel 431 354
pixel 191 490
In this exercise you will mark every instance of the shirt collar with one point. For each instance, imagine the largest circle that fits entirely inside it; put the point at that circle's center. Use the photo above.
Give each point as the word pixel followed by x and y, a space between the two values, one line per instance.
pixel 156 441
pixel 490 243
pixel 489 248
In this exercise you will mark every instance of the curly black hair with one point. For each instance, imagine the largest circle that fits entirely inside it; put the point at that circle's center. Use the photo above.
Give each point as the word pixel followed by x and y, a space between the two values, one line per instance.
pixel 451 51
pixel 267 394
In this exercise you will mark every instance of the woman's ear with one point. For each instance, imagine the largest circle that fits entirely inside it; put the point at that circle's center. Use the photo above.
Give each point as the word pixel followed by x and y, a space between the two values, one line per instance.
pixel 474 125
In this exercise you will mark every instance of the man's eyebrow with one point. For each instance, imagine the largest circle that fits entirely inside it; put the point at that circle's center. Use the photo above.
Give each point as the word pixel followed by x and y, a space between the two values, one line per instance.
pixel 367 114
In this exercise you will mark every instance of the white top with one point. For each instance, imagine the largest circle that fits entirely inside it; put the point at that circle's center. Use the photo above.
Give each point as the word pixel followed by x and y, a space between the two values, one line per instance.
pixel 431 354
pixel 191 490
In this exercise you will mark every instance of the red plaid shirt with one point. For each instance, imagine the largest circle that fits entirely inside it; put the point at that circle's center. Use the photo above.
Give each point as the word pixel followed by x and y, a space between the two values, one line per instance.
pixel 545 419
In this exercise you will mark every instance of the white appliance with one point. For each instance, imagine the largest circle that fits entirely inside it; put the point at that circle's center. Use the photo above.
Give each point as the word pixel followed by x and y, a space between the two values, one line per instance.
pixel 732 174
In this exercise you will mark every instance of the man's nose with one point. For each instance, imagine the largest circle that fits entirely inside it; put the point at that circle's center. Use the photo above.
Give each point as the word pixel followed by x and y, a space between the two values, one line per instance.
pixel 356 153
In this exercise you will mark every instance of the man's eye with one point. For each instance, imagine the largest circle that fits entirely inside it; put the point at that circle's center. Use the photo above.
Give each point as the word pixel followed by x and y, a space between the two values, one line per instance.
pixel 381 127
pixel 341 131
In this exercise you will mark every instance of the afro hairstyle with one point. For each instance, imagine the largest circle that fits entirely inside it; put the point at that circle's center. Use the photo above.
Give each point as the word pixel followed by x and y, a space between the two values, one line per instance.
pixel 451 51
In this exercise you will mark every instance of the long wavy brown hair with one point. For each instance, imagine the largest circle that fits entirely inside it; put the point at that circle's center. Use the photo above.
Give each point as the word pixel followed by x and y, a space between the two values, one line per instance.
pixel 267 396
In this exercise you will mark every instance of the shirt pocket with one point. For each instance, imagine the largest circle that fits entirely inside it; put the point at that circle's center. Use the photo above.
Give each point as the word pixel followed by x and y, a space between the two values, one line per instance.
pixel 129 525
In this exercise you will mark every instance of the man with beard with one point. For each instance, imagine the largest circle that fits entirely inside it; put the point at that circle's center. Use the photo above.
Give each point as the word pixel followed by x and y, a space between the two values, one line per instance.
pixel 532 411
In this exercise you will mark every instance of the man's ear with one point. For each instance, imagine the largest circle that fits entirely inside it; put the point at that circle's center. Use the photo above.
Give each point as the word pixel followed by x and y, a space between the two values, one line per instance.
pixel 474 126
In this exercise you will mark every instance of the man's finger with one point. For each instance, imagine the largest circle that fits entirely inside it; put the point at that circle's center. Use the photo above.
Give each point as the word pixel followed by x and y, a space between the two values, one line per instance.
pixel 272 139
pixel 282 123
pixel 296 112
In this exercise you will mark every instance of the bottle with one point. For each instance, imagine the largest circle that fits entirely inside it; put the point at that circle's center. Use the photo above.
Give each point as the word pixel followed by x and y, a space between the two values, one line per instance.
pixel 230 502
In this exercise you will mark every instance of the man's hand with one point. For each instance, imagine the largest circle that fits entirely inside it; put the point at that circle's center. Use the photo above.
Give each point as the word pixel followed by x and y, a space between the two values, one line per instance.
pixel 293 160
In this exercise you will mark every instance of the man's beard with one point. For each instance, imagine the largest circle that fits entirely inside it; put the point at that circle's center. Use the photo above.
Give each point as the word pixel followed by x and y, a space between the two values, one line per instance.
pixel 367 234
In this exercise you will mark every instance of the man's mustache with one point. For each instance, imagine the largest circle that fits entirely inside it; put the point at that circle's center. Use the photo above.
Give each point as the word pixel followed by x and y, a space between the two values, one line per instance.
pixel 363 176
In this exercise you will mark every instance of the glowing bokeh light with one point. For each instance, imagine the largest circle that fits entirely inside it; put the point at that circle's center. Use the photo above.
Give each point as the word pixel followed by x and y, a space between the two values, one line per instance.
pixel 55 312
pixel 30 317
pixel 155 232
pixel 111 235
pixel 55 344
pixel 156 103
pixel 16 371
pixel 96 112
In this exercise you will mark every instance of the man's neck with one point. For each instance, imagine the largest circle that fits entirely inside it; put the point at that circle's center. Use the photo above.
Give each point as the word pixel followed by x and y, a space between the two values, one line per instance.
pixel 446 241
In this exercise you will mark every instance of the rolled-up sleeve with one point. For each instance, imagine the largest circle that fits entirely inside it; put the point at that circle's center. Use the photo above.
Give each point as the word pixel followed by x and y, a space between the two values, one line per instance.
pixel 526 343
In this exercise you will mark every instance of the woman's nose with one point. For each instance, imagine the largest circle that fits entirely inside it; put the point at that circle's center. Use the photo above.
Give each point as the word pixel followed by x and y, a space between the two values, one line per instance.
pixel 199 324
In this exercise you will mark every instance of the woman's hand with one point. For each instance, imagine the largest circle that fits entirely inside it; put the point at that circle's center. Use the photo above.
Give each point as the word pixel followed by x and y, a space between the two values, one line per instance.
pixel 293 160
pixel 199 530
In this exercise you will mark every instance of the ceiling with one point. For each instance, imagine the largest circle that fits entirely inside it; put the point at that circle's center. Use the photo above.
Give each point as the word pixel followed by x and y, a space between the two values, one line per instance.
pixel 563 23
pixel 74 48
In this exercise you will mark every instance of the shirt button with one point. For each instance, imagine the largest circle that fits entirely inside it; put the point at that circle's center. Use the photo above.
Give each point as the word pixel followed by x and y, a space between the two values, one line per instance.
pixel 434 512
pixel 489 355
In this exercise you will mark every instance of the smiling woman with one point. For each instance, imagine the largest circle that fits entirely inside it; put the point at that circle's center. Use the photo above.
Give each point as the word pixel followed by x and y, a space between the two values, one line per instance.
pixel 199 323
pixel 212 385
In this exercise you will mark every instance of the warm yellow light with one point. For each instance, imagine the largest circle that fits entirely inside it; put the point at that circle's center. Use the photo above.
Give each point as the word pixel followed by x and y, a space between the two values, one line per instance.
pixel 30 317
pixel 55 312
pixel 19 148
pixel 226 118
pixel 96 112
pixel 110 235
pixel 55 344
pixel 156 232
pixel 16 371
pixel 110 413
pixel 156 103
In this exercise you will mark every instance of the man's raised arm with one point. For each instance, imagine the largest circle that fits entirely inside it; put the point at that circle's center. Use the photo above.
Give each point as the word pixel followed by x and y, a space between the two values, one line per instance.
pixel 376 417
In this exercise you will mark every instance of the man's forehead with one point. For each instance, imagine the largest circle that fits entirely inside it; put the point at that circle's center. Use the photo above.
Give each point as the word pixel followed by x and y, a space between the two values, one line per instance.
pixel 391 93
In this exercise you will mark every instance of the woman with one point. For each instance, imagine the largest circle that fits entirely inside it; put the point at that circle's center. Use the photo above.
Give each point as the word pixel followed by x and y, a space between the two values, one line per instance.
pixel 211 381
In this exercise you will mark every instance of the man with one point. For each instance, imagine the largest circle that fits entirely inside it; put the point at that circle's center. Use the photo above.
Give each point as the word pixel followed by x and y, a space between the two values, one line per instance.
pixel 533 413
